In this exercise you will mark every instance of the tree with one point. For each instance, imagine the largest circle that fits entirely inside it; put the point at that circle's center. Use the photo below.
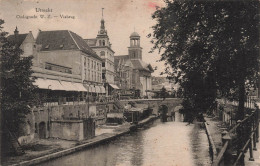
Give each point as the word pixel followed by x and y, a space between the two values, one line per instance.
pixel 17 89
pixel 211 47
pixel 163 93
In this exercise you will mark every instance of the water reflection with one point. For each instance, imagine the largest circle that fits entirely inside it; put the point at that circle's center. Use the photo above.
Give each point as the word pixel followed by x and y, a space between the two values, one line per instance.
pixel 171 143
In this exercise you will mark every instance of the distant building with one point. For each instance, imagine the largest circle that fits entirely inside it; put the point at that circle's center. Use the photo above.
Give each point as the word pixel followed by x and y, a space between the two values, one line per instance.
pixel 102 46
pixel 141 71
pixel 159 82
pixel 124 73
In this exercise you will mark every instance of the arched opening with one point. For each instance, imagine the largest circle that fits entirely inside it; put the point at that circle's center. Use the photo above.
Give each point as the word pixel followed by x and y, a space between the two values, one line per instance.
pixel 42 130
pixel 163 111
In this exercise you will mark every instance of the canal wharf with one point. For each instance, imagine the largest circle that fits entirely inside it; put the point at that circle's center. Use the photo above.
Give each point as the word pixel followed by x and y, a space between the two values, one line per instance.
pixel 81 145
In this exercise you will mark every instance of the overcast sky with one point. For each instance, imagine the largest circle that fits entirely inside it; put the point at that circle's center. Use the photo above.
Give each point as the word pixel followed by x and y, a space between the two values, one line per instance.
pixel 121 18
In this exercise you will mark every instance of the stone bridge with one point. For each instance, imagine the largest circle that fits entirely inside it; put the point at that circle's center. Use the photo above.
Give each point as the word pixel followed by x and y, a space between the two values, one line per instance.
pixel 156 104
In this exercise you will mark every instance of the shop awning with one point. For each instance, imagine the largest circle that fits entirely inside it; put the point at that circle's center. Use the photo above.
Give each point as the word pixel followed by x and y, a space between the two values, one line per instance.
pixel 41 83
pixel 80 87
pixel 103 90
pixel 114 86
pixel 68 86
pixel 48 84
pixel 55 85
pixel 92 88
pixel 98 89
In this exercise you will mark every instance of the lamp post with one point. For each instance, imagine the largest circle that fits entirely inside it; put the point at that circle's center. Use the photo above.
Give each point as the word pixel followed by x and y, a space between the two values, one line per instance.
pixel 48 127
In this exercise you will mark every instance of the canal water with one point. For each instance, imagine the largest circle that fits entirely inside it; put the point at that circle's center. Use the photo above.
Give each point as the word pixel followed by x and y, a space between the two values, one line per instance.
pixel 166 144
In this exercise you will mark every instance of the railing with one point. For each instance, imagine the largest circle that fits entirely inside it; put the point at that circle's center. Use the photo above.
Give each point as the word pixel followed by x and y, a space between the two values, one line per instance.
pixel 75 100
pixel 242 136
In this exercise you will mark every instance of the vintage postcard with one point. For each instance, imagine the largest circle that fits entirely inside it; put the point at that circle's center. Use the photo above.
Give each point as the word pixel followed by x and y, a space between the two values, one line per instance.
pixel 129 82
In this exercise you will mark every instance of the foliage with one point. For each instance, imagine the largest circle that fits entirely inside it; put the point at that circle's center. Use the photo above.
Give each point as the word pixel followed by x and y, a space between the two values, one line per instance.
pixel 209 47
pixel 17 90
pixel 163 93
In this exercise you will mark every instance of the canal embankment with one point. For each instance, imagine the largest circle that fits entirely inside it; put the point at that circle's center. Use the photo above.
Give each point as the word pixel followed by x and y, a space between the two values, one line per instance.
pixel 214 127
pixel 49 149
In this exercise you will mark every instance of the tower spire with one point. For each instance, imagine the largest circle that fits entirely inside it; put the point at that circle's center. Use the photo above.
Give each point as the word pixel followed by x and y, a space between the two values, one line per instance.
pixel 102 12
pixel 16 31
pixel 102 30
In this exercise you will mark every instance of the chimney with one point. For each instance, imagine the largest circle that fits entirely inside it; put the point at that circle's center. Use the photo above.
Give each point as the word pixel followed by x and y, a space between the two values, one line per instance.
pixel 16 32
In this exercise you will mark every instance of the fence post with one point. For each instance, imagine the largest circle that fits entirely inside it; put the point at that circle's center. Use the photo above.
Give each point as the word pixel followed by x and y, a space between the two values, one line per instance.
pixel 253 129
pixel 227 155
pixel 241 142
pixel 250 127
pixel 257 125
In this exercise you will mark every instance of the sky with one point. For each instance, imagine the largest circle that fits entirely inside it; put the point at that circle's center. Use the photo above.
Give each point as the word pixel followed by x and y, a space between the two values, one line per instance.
pixel 122 17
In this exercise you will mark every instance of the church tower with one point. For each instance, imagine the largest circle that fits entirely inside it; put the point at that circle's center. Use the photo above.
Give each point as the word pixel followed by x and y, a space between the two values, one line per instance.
pixel 102 37
pixel 135 51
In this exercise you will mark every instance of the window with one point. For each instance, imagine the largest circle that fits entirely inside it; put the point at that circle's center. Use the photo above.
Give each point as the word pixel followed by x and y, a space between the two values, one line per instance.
pixel 102 53
pixel 103 64
pixel 99 42
pixel 85 74
pixel 91 64
pixel 36 128
pixel 103 76
pixel 85 61
pixel 94 65
pixel 54 67
pixel 88 63
pixel 104 43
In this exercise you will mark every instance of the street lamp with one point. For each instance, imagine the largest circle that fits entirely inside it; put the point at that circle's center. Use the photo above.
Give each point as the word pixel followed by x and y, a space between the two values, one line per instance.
pixel 48 127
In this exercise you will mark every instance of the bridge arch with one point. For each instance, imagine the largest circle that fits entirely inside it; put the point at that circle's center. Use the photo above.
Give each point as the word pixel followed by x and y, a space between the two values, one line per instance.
pixel 163 111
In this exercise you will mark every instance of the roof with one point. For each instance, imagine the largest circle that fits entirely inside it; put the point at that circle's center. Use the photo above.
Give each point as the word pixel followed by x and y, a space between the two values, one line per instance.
pixel 134 34
pixel 63 40
pixel 91 42
pixel 116 62
pixel 120 59
pixel 125 57
pixel 141 65
pixel 17 38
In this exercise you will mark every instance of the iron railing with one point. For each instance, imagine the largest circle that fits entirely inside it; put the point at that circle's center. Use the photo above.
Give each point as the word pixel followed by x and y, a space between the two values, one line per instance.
pixel 235 143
